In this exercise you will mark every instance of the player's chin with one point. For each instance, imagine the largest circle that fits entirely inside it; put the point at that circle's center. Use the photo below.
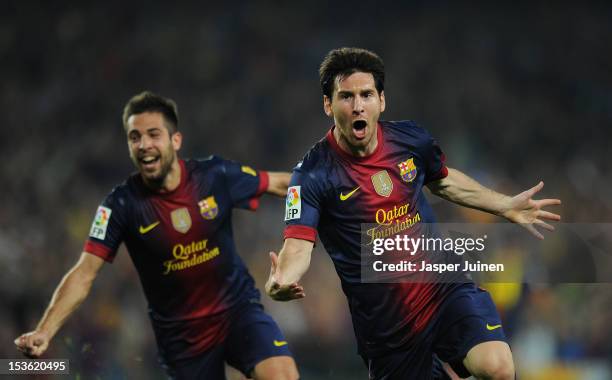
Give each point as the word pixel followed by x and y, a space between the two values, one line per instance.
pixel 361 142
pixel 152 175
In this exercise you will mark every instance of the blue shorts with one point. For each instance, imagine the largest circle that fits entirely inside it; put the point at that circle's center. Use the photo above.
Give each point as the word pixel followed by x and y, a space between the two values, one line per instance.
pixel 253 337
pixel 468 317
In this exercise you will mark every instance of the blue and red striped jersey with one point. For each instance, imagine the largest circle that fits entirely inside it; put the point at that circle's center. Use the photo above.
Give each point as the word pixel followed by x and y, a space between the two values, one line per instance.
pixel 336 194
pixel 182 246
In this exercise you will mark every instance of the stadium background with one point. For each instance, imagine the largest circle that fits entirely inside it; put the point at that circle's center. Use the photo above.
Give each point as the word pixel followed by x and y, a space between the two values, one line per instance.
pixel 514 93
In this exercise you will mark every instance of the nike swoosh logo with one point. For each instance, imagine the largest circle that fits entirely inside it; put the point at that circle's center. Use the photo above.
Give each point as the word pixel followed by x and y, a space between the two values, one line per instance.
pixel 347 196
pixel 280 343
pixel 491 328
pixel 144 230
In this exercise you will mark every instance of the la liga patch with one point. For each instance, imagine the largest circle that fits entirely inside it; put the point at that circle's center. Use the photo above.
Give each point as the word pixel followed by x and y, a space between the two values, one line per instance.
pixel 293 208
pixel 100 223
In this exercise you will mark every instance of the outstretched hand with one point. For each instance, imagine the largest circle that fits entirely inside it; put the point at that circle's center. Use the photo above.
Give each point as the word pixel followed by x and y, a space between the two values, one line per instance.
pixel 528 212
pixel 279 292
pixel 32 344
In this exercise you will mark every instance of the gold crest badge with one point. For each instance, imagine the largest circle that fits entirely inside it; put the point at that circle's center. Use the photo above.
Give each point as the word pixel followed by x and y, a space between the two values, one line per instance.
pixel 181 220
pixel 382 183
pixel 408 170
pixel 208 208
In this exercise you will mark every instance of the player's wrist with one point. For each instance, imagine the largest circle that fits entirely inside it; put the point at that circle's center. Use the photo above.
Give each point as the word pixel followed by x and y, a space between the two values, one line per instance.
pixel 509 214
pixel 45 331
pixel 505 209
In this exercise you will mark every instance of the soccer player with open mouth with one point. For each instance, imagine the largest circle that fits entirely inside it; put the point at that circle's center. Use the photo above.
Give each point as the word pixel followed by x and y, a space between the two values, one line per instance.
pixel 365 167
pixel 175 218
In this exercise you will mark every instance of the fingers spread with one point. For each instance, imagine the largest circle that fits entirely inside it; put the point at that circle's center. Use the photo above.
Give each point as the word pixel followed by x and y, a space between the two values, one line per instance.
pixel 535 189
pixel 548 215
pixel 548 202
pixel 533 231
pixel 544 225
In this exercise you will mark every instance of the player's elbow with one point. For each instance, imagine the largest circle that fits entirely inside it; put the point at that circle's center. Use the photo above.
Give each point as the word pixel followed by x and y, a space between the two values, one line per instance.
pixel 503 371
pixel 496 367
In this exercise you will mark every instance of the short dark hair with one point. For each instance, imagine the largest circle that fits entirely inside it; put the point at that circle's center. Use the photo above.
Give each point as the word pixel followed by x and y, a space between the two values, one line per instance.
pixel 346 61
pixel 147 101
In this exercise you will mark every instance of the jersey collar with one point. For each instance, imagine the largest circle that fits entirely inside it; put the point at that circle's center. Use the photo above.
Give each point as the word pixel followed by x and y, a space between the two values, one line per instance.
pixel 370 157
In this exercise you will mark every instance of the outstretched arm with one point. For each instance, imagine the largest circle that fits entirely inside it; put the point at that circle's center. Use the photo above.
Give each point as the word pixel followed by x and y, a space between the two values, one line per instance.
pixel 521 208
pixel 68 295
pixel 278 183
pixel 287 269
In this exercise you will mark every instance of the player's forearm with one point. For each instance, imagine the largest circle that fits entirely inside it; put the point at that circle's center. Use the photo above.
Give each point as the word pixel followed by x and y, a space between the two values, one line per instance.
pixel 465 191
pixel 292 264
pixel 68 295
pixel 278 183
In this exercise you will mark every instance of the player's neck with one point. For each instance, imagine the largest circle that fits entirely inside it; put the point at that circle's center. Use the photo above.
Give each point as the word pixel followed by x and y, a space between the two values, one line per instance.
pixel 354 150
pixel 173 179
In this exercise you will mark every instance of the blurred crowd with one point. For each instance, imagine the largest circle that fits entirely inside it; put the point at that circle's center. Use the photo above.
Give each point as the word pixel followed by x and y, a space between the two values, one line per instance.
pixel 514 93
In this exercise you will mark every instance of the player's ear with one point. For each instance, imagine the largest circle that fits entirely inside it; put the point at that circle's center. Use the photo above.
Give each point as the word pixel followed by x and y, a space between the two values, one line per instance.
pixel 382 101
pixel 177 140
pixel 327 106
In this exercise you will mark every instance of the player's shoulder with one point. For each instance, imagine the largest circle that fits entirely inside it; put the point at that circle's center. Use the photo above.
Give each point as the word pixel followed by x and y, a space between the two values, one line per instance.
pixel 210 166
pixel 317 158
pixel 407 134
pixel 406 127
pixel 204 163
pixel 123 193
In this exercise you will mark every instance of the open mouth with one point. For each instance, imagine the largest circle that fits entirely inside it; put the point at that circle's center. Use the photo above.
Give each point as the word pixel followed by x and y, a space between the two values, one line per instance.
pixel 149 162
pixel 359 128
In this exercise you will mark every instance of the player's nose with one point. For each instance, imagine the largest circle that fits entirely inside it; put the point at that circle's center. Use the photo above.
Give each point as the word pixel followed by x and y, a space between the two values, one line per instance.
pixel 145 142
pixel 358 104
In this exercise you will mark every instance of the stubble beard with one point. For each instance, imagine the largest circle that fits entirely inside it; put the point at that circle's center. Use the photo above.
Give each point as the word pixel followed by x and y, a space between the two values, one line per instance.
pixel 156 181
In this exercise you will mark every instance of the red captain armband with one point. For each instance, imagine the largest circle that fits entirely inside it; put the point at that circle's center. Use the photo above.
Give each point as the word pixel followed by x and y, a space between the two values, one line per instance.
pixel 300 232
pixel 99 250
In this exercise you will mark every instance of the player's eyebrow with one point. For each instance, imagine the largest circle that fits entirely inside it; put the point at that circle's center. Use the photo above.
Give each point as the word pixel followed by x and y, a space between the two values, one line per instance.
pixel 345 92
pixel 148 130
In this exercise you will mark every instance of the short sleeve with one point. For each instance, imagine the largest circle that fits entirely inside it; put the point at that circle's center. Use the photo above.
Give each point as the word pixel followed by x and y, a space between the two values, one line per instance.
pixel 434 160
pixel 244 184
pixel 108 228
pixel 303 205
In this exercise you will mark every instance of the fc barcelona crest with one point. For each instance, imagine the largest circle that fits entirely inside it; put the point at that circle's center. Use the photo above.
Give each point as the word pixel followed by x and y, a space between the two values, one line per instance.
pixel 208 208
pixel 408 170
pixel 181 221
pixel 382 183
